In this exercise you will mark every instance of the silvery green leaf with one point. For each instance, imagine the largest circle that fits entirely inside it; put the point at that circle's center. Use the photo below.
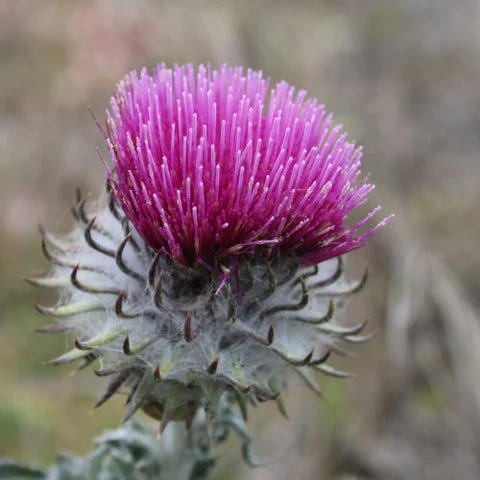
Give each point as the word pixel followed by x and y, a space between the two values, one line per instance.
pixel 10 470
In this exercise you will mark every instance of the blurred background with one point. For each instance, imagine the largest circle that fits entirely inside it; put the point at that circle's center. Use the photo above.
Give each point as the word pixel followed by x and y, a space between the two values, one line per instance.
pixel 403 77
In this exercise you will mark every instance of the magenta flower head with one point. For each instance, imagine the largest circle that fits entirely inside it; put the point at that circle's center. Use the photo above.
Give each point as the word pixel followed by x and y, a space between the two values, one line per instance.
pixel 216 265
pixel 212 164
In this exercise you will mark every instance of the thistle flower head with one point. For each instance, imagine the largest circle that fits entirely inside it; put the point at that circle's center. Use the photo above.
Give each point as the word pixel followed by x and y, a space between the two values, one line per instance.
pixel 213 164
pixel 201 280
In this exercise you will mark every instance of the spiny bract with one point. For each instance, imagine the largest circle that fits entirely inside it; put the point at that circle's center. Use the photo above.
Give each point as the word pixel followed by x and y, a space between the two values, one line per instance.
pixel 199 280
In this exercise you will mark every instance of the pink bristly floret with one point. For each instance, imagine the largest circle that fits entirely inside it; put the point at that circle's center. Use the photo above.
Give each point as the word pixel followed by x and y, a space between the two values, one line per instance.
pixel 210 163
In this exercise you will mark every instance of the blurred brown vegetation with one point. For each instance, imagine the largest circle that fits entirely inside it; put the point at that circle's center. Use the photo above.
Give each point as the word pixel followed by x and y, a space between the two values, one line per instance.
pixel 404 79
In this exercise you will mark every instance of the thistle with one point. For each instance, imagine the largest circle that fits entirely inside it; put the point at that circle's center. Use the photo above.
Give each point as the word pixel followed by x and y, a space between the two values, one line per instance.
pixel 215 264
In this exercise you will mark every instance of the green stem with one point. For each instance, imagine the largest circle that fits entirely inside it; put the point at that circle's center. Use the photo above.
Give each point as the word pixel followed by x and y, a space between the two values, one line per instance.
pixel 178 461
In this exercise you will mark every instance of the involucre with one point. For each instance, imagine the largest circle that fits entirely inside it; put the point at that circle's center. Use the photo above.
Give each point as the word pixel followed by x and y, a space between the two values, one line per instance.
pixel 214 265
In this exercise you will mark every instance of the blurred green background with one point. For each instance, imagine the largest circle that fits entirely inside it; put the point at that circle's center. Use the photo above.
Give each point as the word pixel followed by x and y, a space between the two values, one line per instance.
pixel 403 77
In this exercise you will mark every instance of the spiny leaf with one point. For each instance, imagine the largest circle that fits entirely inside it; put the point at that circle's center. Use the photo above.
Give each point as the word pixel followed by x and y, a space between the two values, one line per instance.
pixel 69 356
pixel 91 288
pixel 242 405
pixel 332 279
pixel 115 383
pixel 270 335
pixel 358 338
pixel 119 308
pixel 212 367
pixel 332 372
pixel 121 263
pixel 48 282
pixel 100 340
pixel 129 350
pixel 290 307
pixel 300 362
pixel 141 394
pixel 304 374
pixel 339 330
pixel 318 321
pixel 93 243
pixel 69 309
pixel 280 403
pixel 349 290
